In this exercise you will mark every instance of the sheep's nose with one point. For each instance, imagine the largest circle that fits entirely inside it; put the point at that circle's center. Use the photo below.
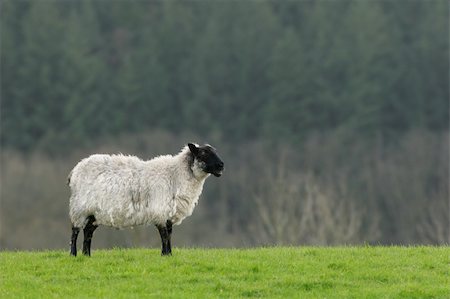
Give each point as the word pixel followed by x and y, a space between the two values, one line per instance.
pixel 220 164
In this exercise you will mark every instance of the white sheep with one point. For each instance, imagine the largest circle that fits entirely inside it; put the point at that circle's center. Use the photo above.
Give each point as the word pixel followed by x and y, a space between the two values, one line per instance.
pixel 124 191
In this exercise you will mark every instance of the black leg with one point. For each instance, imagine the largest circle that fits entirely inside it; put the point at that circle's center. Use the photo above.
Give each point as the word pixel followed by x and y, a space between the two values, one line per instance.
pixel 73 241
pixel 88 232
pixel 164 233
pixel 169 230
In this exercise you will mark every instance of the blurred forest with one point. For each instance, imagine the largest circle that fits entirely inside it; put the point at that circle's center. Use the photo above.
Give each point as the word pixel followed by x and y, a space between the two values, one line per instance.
pixel 332 117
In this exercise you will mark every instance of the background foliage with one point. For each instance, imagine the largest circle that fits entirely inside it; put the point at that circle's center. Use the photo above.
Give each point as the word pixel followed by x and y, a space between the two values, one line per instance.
pixel 339 104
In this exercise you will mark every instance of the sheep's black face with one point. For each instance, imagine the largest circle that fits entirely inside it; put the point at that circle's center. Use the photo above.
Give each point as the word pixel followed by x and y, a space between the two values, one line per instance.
pixel 208 158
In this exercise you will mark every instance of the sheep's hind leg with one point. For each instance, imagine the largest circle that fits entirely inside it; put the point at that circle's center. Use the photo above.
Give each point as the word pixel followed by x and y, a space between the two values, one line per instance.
pixel 164 233
pixel 88 232
pixel 73 241
pixel 169 230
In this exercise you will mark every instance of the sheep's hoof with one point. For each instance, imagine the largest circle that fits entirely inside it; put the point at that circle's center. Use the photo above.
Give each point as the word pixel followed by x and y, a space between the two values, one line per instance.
pixel 166 253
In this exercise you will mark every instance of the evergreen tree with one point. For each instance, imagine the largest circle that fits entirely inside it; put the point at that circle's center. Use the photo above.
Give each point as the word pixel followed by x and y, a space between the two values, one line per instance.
pixel 231 66
pixel 72 71
pixel 83 81
pixel 31 99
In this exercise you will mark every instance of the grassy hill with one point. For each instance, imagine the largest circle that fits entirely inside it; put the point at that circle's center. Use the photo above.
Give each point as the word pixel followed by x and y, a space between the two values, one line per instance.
pixel 305 272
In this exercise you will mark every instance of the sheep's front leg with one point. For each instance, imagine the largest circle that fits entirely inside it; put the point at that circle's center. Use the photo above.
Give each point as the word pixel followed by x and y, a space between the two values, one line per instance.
pixel 164 233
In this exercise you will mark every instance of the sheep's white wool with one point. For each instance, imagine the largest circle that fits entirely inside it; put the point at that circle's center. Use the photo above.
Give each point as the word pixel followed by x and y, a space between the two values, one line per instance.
pixel 123 191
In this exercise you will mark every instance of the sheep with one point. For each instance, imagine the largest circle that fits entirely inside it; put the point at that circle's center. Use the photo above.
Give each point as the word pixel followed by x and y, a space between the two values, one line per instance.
pixel 124 191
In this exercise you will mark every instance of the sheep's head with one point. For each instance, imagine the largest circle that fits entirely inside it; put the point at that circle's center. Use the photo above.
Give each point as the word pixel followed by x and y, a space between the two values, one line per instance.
pixel 207 158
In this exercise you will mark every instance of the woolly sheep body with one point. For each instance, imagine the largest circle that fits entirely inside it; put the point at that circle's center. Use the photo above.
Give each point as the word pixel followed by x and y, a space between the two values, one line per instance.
pixel 125 191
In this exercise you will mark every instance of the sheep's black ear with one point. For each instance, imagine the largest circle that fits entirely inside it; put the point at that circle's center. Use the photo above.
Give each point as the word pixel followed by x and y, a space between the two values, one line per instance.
pixel 193 148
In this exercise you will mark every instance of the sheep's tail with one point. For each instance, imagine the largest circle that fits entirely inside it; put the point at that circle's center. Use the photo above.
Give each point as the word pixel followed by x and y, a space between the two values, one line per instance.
pixel 68 177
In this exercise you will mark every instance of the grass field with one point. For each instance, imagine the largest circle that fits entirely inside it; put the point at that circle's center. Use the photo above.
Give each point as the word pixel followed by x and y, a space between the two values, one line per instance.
pixel 306 272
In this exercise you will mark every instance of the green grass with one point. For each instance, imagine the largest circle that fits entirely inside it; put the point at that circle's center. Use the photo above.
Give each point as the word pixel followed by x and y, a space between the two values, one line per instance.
pixel 305 272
